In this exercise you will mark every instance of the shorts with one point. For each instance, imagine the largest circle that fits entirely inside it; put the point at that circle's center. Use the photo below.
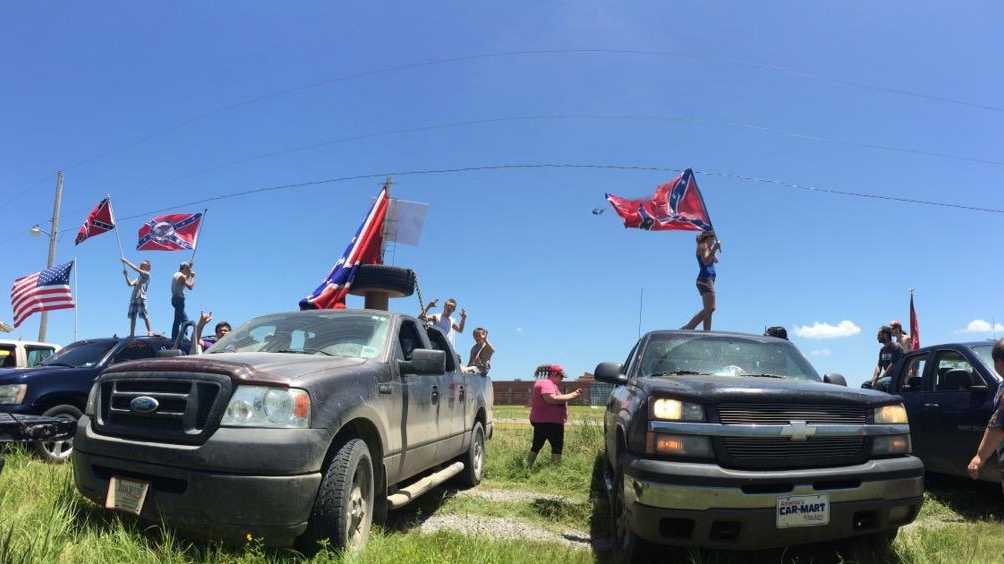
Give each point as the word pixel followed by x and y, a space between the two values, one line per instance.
pixel 705 285
pixel 553 433
pixel 137 308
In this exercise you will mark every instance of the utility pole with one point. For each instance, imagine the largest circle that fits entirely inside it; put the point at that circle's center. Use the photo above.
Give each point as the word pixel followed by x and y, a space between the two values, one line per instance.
pixel 53 231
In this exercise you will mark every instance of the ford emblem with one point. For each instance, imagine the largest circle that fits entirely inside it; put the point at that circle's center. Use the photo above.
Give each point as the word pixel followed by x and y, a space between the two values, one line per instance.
pixel 144 404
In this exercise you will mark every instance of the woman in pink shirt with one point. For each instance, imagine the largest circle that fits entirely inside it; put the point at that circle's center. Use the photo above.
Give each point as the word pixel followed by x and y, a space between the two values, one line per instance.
pixel 548 413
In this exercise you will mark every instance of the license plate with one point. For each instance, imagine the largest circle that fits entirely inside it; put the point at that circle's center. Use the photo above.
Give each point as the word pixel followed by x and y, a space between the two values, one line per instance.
pixel 802 511
pixel 126 495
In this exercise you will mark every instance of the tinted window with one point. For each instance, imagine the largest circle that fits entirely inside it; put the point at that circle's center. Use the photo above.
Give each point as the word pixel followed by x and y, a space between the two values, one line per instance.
pixel 409 339
pixel 723 356
pixel 912 379
pixel 952 372
pixel 80 354
pixel 626 367
pixel 323 333
pixel 439 343
pixel 134 350
pixel 8 356
pixel 37 354
pixel 985 354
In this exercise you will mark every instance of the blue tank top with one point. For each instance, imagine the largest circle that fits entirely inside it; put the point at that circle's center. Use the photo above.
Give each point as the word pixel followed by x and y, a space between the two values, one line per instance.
pixel 707 270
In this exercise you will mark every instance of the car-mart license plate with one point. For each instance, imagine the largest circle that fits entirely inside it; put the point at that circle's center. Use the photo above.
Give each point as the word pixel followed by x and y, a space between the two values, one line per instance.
pixel 802 511
pixel 126 495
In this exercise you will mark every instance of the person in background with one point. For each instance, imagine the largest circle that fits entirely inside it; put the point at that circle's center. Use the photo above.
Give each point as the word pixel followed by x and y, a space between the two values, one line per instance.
pixel 900 337
pixel 776 331
pixel 707 246
pixel 994 432
pixel 888 354
pixel 184 278
pixel 481 353
pixel 137 302
pixel 548 413
pixel 197 341
pixel 444 321
pixel 221 330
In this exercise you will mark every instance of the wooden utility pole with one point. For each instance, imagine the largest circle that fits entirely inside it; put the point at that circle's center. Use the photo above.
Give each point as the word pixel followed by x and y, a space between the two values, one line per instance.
pixel 53 231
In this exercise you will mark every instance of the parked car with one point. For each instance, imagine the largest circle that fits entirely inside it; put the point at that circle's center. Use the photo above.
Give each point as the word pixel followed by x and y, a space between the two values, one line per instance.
pixel 728 440
pixel 19 428
pixel 300 425
pixel 949 391
pixel 24 354
pixel 58 386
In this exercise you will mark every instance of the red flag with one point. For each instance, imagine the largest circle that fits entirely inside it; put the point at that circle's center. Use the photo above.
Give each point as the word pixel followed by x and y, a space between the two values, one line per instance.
pixel 675 206
pixel 174 232
pixel 99 221
pixel 914 327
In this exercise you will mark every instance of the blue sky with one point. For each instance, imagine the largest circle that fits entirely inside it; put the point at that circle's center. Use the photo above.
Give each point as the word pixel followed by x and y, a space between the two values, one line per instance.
pixel 145 102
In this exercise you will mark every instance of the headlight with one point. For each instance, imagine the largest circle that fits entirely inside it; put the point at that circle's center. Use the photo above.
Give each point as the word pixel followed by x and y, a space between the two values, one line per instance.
pixel 265 406
pixel 92 401
pixel 676 410
pixel 891 414
pixel 678 445
pixel 13 393
pixel 891 444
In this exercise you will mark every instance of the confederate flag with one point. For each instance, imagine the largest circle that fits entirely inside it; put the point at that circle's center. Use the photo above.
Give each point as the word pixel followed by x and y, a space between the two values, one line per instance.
pixel 99 221
pixel 174 232
pixel 675 206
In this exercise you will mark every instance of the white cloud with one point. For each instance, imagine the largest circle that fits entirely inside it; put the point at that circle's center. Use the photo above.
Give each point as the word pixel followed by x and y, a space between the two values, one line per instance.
pixel 819 330
pixel 821 352
pixel 519 329
pixel 981 326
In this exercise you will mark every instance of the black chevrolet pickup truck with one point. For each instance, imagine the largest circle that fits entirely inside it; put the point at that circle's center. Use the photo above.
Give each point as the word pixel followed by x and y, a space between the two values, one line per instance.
pixel 304 425
pixel 727 440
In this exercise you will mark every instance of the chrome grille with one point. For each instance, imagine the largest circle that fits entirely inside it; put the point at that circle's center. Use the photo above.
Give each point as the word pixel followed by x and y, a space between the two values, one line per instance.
pixel 784 413
pixel 784 453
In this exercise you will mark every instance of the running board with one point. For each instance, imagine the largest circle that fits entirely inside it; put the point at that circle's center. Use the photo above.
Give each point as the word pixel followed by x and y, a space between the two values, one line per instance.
pixel 404 496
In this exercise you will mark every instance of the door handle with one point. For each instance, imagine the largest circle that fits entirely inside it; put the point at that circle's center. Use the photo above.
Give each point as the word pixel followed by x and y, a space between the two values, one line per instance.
pixel 461 393
pixel 435 394
pixel 932 405
pixel 384 389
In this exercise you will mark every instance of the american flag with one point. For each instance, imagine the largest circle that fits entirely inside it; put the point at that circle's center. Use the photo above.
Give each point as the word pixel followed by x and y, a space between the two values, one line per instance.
pixel 41 291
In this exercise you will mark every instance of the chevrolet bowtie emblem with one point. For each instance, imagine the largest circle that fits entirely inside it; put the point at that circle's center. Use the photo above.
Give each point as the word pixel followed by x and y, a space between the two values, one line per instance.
pixel 798 431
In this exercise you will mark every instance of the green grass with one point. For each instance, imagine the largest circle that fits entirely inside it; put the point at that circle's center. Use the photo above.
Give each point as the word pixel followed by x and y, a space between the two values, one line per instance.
pixel 44 519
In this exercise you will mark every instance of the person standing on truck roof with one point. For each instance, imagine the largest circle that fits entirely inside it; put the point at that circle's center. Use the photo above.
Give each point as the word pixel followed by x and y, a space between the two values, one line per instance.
pixel 900 336
pixel 707 246
pixel 444 321
pixel 481 353
pixel 888 354
pixel 994 432
pixel 548 413
pixel 137 301
pixel 184 278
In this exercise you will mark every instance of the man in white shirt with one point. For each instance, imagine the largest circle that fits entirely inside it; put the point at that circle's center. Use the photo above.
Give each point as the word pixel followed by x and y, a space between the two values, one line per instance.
pixel 444 321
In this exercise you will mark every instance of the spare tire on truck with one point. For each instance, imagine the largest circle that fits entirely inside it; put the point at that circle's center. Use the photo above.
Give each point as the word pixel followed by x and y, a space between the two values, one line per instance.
pixel 395 281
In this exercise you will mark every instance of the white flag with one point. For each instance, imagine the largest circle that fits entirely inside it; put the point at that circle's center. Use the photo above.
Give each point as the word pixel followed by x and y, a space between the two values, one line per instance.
pixel 404 221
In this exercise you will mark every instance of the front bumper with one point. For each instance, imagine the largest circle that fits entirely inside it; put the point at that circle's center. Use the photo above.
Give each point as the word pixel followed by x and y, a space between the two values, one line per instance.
pixel 223 489
pixel 707 505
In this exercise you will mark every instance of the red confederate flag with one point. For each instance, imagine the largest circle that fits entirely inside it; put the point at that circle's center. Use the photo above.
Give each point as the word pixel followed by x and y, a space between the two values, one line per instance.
pixel 174 232
pixel 675 206
pixel 99 221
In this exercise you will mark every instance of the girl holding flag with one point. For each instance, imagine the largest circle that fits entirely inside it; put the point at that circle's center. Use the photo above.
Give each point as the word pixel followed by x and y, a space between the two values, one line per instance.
pixel 707 246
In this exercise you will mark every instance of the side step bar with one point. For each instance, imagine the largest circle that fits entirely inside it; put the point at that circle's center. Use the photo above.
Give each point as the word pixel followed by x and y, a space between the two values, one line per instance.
pixel 404 496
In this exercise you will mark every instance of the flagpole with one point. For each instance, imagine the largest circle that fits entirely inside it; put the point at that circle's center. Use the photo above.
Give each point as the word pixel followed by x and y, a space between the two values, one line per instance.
pixel 116 229
pixel 198 235
pixel 76 297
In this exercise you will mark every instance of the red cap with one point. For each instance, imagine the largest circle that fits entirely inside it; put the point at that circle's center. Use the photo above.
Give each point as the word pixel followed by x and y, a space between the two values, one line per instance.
pixel 555 369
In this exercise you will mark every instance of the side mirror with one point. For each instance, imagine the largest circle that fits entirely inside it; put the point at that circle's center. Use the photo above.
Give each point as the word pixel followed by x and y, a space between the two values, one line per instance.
pixel 424 361
pixel 866 385
pixel 609 372
pixel 837 379
pixel 169 353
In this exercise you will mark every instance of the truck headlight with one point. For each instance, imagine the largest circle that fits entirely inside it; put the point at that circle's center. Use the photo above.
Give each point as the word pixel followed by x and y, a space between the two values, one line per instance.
pixel 676 410
pixel 689 446
pixel 265 406
pixel 891 444
pixel 13 393
pixel 92 401
pixel 891 414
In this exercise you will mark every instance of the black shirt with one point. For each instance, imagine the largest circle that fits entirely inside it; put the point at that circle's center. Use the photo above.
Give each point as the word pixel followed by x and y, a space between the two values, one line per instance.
pixel 889 354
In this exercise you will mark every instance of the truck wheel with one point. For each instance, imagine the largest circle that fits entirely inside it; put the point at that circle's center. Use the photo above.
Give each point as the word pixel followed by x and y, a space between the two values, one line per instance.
pixel 398 282
pixel 58 452
pixel 474 459
pixel 627 545
pixel 343 510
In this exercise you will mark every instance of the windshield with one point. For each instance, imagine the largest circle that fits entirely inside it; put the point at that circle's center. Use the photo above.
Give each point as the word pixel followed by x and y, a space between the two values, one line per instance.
pixel 81 354
pixel 724 356
pixel 361 335
pixel 985 354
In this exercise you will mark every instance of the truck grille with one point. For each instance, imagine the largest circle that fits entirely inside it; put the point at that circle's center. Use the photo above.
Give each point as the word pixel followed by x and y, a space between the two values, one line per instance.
pixel 783 453
pixel 784 413
pixel 188 406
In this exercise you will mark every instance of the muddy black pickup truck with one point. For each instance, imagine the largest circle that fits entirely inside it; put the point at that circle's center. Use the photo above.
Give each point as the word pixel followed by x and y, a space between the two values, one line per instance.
pixel 727 440
pixel 303 425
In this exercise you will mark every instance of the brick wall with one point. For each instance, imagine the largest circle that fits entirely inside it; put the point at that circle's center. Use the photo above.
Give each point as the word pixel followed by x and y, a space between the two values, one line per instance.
pixel 517 392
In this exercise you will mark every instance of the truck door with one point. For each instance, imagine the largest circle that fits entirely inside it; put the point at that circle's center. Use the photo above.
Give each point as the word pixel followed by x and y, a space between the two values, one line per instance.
pixel 420 420
pixel 453 399
pixel 912 386
pixel 959 407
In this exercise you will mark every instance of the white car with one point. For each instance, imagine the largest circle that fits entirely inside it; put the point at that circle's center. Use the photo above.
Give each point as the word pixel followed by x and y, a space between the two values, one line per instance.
pixel 24 354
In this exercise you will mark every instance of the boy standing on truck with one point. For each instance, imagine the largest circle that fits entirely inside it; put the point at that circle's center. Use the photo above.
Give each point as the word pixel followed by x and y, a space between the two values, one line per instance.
pixel 137 302
pixel 888 354
pixel 444 321
pixel 480 360
pixel 994 432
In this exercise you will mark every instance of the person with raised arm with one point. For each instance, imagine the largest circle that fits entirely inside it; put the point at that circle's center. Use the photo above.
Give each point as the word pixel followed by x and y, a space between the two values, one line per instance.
pixel 707 246
pixel 137 301
pixel 444 321
pixel 548 413
pixel 184 278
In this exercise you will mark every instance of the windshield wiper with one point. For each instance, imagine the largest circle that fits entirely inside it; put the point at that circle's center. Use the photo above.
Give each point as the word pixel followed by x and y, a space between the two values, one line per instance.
pixel 765 375
pixel 305 351
pixel 682 373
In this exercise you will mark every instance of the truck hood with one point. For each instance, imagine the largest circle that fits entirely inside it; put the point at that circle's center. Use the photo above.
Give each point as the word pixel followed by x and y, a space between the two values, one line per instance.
pixel 725 388
pixel 263 368
pixel 20 375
